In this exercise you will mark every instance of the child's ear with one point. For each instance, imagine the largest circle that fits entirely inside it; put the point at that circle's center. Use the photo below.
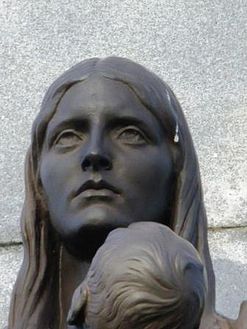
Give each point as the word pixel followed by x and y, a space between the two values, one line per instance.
pixel 76 314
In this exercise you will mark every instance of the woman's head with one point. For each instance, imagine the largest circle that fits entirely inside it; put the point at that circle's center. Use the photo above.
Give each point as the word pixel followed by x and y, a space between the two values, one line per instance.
pixel 182 198
pixel 121 86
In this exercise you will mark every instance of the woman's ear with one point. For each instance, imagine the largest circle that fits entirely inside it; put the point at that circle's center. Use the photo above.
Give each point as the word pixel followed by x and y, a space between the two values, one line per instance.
pixel 76 315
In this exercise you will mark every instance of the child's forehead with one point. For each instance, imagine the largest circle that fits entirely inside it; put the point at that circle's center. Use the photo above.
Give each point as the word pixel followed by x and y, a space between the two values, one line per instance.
pixel 133 241
pixel 122 253
pixel 126 248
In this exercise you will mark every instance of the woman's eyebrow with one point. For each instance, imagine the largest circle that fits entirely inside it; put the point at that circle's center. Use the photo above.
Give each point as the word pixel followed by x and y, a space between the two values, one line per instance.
pixel 127 120
pixel 121 121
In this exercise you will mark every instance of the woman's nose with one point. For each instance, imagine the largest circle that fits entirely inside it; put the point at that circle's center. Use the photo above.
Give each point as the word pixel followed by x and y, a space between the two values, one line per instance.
pixel 96 161
pixel 95 157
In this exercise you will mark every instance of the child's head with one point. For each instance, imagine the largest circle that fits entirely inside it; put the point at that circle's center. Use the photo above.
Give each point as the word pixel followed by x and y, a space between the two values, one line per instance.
pixel 142 277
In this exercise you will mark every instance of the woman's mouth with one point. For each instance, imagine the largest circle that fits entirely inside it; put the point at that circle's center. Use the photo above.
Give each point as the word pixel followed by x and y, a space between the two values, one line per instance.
pixel 100 190
pixel 98 194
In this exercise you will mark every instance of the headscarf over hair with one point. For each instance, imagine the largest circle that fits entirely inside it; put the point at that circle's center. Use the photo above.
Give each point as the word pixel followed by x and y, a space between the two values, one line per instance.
pixel 35 299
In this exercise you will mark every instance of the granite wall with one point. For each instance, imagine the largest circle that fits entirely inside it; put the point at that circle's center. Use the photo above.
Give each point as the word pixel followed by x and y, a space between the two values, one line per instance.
pixel 198 47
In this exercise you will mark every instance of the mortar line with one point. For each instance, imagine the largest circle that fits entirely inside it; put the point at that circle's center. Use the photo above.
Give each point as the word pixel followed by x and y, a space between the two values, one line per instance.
pixel 210 229
pixel 222 228
pixel 10 244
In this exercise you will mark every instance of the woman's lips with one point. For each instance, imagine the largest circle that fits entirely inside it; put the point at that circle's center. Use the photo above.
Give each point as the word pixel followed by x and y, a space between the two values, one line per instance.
pixel 100 194
pixel 99 189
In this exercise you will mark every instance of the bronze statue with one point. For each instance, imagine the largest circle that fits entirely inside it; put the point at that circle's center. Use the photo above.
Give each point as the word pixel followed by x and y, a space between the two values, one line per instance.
pixel 109 147
pixel 139 278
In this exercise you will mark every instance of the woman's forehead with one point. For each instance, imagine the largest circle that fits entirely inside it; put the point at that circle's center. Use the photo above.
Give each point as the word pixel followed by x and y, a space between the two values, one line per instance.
pixel 96 90
pixel 103 99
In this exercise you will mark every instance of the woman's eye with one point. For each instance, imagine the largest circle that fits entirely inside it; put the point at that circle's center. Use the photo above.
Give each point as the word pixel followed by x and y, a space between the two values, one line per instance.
pixel 132 136
pixel 68 139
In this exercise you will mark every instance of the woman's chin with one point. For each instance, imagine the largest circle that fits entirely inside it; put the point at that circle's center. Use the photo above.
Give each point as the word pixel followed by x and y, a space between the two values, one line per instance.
pixel 96 218
pixel 87 231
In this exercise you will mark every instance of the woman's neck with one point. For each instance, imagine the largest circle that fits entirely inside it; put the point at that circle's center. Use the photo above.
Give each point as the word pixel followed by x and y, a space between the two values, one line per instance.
pixel 73 272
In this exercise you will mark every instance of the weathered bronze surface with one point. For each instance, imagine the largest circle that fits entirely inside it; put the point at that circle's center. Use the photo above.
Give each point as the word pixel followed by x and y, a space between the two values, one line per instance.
pixel 138 278
pixel 110 147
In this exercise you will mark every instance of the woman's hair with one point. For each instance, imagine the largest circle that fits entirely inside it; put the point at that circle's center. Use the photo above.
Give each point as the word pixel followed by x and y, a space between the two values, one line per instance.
pixel 35 299
pixel 144 276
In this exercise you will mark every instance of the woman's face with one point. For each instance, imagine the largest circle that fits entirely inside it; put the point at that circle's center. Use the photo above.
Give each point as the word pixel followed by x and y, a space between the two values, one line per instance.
pixel 106 161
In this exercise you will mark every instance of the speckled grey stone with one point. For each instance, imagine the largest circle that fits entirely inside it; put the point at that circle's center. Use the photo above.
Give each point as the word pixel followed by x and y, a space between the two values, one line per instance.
pixel 228 249
pixel 229 253
pixel 198 47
